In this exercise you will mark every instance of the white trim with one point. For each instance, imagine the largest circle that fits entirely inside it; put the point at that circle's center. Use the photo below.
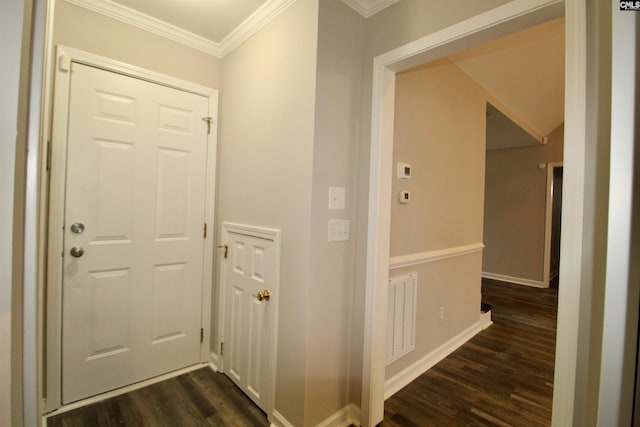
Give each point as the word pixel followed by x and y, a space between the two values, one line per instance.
pixel 123 390
pixel 401 261
pixel 150 24
pixel 213 363
pixel 548 226
pixel 516 280
pixel 279 420
pixel 517 14
pixel 485 319
pixel 275 236
pixel 349 415
pixel 354 414
pixel 369 8
pixel 56 203
pixel 572 260
pixel 619 361
pixel 413 371
pixel 256 21
pixel 37 177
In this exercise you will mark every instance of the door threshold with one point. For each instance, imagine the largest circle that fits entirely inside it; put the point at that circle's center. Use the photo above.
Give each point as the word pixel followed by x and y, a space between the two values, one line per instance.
pixel 122 390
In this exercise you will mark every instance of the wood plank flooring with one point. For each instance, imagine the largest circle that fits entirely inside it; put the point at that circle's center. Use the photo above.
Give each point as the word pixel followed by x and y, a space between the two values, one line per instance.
pixel 501 377
pixel 198 398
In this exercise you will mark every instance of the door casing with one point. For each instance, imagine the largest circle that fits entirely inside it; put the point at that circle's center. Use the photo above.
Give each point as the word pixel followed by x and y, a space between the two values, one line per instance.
pixel 57 158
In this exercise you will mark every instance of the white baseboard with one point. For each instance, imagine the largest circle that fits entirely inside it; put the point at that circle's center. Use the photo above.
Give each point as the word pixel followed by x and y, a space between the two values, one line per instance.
pixel 213 362
pixel 278 420
pixel 516 280
pixel 485 320
pixel 404 377
pixel 346 416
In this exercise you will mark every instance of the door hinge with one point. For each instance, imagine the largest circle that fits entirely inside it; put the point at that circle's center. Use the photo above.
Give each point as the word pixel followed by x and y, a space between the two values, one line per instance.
pixel 201 334
pixel 221 349
pixel 48 155
pixel 208 120
pixel 226 250
pixel 205 230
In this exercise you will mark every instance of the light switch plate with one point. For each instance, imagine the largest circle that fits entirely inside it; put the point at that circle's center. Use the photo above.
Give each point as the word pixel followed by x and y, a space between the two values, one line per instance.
pixel 404 170
pixel 338 230
pixel 336 198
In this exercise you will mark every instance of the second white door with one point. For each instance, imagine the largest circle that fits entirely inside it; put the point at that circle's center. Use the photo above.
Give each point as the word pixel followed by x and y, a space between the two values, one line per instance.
pixel 133 238
pixel 251 284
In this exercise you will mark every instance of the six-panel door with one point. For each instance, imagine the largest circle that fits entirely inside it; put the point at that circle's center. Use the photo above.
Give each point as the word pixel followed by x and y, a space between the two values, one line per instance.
pixel 249 339
pixel 135 180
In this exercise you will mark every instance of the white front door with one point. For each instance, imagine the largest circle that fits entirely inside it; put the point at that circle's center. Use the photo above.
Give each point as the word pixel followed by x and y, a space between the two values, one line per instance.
pixel 251 284
pixel 133 237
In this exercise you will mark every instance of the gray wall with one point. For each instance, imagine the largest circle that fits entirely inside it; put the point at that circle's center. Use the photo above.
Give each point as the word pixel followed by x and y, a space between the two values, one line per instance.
pixel 11 73
pixel 338 91
pixel 515 209
pixel 265 170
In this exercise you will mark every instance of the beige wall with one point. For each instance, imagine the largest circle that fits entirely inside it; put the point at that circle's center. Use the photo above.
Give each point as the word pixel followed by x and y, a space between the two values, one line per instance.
pixel 515 209
pixel 440 131
pixel 89 31
pixel 265 169
pixel 393 27
pixel 453 284
pixel 338 89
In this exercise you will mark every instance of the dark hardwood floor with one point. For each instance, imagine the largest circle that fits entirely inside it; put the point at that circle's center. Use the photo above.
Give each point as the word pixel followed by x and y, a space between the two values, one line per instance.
pixel 501 377
pixel 198 398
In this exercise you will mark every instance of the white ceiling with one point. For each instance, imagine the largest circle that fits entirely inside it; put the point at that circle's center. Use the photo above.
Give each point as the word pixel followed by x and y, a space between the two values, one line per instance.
pixel 524 72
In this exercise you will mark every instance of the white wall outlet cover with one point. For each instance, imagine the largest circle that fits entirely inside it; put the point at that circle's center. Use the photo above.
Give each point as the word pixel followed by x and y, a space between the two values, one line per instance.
pixel 336 198
pixel 404 197
pixel 404 170
pixel 338 230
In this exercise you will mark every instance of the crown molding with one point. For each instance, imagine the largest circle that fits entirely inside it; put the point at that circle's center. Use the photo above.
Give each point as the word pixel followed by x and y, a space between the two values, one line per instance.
pixel 369 8
pixel 261 17
pixel 149 23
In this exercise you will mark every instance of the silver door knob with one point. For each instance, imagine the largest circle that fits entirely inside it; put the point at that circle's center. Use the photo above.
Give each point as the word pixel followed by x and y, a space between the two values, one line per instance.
pixel 76 252
pixel 77 227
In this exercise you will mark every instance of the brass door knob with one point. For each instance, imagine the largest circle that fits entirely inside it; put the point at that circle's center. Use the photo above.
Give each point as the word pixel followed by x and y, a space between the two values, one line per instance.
pixel 264 295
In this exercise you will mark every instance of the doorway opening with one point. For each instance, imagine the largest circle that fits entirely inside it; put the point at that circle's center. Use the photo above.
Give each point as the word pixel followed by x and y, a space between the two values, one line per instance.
pixel 555 173
pixel 499 21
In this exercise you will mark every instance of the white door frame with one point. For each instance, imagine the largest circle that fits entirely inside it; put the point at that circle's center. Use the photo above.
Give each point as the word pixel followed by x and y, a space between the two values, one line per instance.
pixel 268 234
pixel 551 166
pixel 513 16
pixel 64 57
